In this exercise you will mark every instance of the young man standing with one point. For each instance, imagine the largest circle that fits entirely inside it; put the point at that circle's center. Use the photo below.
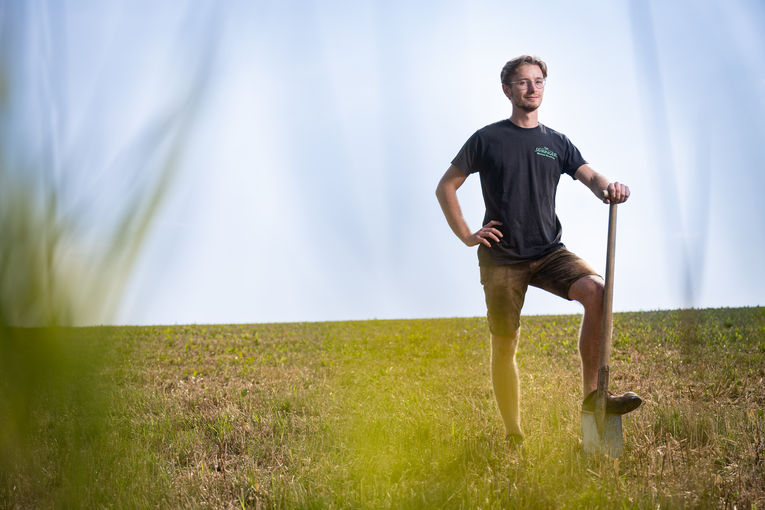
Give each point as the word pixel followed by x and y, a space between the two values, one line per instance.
pixel 520 162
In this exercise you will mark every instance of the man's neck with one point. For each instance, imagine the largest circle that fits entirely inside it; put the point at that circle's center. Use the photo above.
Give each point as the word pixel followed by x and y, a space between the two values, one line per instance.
pixel 524 119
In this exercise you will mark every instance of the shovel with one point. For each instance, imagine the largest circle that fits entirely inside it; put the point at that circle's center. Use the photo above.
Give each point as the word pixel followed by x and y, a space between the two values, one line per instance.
pixel 601 432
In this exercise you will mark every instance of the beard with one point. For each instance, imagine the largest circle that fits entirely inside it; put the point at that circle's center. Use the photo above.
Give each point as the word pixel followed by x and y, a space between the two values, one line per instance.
pixel 526 105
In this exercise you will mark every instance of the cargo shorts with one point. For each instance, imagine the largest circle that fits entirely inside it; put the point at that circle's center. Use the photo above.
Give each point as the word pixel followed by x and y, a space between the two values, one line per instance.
pixel 505 286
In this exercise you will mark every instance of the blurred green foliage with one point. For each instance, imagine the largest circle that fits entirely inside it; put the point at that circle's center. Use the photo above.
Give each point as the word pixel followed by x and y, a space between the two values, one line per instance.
pixel 65 434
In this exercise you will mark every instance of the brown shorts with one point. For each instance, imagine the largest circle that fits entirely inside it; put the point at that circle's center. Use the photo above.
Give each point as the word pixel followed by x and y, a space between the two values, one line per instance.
pixel 505 286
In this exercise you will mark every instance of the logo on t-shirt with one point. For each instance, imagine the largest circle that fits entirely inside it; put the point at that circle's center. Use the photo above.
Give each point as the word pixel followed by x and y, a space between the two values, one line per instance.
pixel 546 152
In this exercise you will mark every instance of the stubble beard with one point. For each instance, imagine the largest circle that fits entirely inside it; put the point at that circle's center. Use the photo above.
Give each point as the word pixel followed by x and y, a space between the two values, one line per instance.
pixel 529 106
pixel 526 105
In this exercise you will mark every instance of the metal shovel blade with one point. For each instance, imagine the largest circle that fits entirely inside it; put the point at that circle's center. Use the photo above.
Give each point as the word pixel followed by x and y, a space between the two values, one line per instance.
pixel 611 442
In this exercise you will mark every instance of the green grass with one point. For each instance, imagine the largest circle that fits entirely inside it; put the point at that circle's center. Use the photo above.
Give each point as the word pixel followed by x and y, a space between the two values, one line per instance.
pixel 400 414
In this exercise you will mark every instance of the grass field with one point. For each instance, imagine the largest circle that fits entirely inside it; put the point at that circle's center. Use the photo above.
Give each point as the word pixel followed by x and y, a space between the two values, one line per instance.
pixel 384 414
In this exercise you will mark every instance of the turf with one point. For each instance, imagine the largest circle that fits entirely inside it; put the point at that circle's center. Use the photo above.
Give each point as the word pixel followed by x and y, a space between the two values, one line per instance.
pixel 392 414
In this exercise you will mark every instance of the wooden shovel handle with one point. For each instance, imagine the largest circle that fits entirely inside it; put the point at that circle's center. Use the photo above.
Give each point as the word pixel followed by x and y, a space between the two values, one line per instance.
pixel 606 332
pixel 608 293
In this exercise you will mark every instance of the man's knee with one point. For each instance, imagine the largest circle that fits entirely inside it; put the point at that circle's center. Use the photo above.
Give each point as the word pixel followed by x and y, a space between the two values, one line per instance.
pixel 504 322
pixel 588 291
pixel 504 346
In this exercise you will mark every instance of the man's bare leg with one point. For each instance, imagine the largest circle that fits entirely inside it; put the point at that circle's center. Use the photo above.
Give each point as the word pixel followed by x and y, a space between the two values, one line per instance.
pixel 589 292
pixel 504 378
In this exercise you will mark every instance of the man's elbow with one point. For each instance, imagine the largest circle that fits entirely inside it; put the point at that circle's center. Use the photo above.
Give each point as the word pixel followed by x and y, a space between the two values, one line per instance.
pixel 440 190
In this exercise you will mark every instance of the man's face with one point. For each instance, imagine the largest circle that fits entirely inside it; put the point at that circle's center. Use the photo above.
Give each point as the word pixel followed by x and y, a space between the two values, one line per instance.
pixel 523 91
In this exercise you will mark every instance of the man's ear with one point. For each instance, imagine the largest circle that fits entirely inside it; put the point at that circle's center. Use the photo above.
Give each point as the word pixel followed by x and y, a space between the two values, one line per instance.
pixel 506 89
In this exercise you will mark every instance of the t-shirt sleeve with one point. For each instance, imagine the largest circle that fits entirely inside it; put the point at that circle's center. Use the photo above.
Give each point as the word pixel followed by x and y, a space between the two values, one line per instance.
pixel 467 159
pixel 572 158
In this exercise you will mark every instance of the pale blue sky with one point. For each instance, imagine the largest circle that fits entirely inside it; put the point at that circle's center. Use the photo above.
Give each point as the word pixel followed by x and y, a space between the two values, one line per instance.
pixel 306 188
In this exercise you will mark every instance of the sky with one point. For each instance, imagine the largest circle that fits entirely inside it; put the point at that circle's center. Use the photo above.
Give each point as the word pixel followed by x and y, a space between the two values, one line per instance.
pixel 310 136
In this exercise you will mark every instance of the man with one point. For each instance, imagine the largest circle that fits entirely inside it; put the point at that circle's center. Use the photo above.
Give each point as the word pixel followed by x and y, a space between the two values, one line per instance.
pixel 520 162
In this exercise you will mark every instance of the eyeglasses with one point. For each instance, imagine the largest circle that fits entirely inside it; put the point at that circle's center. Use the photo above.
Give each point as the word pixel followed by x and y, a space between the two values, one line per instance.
pixel 525 84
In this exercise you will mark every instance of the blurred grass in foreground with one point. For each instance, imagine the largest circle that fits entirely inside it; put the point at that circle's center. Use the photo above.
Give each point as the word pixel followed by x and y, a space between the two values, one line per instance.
pixel 59 443
pixel 66 252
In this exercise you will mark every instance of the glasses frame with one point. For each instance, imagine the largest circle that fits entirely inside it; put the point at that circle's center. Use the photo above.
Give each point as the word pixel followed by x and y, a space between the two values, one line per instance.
pixel 529 82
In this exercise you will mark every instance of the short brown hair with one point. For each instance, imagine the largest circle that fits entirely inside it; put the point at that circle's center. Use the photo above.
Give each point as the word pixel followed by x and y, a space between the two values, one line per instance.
pixel 509 69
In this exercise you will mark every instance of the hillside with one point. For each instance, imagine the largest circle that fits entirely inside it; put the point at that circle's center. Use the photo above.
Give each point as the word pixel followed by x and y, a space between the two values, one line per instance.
pixel 384 414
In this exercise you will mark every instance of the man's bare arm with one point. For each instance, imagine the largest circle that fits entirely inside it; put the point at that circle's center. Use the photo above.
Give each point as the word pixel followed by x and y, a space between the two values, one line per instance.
pixel 447 198
pixel 597 183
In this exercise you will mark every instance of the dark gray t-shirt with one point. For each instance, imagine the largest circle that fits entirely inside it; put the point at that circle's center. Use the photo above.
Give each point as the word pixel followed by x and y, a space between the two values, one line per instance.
pixel 519 169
